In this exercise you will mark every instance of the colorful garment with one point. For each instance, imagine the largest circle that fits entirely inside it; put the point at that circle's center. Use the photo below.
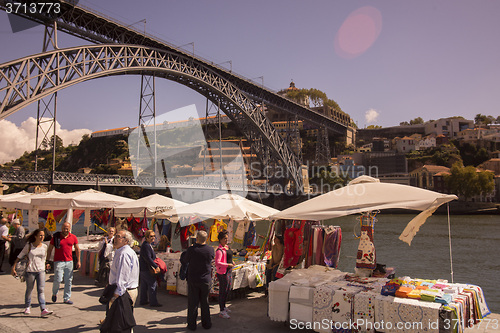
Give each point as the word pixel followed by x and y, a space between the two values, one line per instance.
pixel 331 246
pixel 366 249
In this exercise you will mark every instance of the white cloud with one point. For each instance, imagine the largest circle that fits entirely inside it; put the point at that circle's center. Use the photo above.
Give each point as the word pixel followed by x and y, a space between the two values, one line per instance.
pixel 371 116
pixel 14 140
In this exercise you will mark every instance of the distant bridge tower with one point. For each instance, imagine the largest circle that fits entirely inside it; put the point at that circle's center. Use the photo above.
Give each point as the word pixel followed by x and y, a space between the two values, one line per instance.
pixel 47 106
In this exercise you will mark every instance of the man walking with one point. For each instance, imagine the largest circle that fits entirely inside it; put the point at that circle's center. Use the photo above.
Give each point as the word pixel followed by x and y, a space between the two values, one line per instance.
pixel 4 238
pixel 124 273
pixel 63 243
pixel 17 241
pixel 199 257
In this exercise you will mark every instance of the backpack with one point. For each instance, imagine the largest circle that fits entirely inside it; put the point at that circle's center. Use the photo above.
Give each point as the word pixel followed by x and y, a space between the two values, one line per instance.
pixel 184 267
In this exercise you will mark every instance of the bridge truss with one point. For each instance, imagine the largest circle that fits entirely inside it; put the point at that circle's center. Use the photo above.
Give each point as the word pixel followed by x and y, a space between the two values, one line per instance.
pixel 28 79
pixel 21 84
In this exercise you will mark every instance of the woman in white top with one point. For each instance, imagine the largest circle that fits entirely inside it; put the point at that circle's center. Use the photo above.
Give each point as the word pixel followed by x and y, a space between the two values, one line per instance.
pixel 36 252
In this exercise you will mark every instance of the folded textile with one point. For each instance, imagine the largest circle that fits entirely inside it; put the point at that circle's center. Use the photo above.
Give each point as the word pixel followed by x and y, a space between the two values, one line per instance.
pixel 278 299
pixel 403 291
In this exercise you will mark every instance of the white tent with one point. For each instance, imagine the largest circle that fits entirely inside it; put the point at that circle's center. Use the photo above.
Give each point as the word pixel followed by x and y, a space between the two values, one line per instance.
pixel 23 199
pixel 368 194
pixel 8 199
pixel 153 204
pixel 90 199
pixel 226 206
pixel 87 200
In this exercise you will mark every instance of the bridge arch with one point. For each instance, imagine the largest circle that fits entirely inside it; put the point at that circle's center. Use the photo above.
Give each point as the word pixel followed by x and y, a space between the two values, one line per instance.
pixel 31 78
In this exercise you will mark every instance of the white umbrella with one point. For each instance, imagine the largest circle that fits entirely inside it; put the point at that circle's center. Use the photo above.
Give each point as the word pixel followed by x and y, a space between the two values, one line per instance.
pixel 23 200
pixel 153 204
pixel 7 198
pixel 227 206
pixel 368 194
pixel 88 199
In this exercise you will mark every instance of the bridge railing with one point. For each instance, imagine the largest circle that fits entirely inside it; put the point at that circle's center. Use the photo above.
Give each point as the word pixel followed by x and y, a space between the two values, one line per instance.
pixel 72 178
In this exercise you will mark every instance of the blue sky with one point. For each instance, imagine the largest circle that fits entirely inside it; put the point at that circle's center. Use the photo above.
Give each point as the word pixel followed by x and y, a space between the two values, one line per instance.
pixel 399 59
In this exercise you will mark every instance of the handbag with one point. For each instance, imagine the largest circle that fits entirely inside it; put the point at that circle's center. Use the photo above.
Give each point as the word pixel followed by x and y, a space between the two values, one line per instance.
pixel 22 265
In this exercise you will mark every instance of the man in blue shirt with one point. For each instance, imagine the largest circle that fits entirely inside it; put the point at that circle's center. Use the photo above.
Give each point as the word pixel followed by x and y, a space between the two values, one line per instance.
pixel 199 257
pixel 124 273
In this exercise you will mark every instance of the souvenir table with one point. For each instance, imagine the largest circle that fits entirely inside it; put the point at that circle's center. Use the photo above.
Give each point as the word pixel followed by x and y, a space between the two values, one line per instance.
pixel 89 259
pixel 324 298
pixel 245 274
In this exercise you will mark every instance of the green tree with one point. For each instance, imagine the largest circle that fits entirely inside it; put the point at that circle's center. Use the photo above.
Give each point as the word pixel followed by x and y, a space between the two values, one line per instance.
pixel 467 182
pixel 481 119
pixel 327 180
pixel 417 121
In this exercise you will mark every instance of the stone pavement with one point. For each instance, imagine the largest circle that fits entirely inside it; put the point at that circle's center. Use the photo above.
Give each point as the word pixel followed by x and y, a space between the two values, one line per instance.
pixel 248 314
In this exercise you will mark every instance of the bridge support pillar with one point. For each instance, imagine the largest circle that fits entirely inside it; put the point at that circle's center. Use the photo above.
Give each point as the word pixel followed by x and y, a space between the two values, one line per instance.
pixel 147 117
pixel 46 110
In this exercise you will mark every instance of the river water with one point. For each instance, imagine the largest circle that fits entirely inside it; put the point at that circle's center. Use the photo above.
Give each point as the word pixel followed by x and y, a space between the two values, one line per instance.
pixel 475 242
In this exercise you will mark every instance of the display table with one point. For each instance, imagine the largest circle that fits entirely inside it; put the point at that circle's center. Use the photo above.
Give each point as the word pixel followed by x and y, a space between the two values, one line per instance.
pixel 89 262
pixel 245 274
pixel 325 299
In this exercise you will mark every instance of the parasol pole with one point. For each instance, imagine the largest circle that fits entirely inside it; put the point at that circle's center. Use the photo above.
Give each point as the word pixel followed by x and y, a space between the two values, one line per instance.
pixel 449 240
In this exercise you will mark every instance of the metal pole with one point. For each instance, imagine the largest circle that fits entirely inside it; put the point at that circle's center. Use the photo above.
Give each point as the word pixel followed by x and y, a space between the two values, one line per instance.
pixel 154 123
pixel 220 143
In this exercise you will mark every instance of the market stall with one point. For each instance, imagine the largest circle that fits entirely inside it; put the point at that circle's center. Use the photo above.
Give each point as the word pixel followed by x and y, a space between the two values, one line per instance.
pixel 238 216
pixel 325 300
pixel 341 292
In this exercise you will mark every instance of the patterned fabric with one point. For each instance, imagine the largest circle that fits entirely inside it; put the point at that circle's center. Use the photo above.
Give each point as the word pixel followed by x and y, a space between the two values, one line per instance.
pixel 230 230
pixel 366 249
pixel 414 316
pixel 364 310
pixel 323 303
pixel 343 305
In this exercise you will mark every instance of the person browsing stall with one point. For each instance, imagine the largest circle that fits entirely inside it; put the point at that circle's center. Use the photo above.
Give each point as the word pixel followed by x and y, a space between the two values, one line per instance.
pixel 148 271
pixel 36 251
pixel 17 240
pixel 4 238
pixel 199 257
pixel 63 243
pixel 274 262
pixel 223 264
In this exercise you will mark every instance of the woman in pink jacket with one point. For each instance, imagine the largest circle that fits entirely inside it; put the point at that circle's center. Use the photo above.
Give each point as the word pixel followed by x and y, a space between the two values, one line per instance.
pixel 223 264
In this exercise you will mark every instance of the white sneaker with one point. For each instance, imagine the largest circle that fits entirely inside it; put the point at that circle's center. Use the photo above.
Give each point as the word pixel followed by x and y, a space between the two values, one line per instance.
pixel 27 311
pixel 226 310
pixel 224 315
pixel 46 312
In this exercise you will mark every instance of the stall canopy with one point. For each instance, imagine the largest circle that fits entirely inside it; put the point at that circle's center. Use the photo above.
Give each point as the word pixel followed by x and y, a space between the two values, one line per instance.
pixel 23 199
pixel 226 206
pixel 88 199
pixel 152 204
pixel 7 198
pixel 366 194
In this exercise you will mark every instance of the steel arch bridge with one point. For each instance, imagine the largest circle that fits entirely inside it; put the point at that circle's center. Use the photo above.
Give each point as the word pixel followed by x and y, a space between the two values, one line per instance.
pixel 31 78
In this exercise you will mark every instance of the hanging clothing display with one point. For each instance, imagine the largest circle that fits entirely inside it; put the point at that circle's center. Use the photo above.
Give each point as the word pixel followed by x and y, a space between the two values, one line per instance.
pixel 230 231
pixel 331 246
pixel 250 238
pixel 366 249
pixel 240 232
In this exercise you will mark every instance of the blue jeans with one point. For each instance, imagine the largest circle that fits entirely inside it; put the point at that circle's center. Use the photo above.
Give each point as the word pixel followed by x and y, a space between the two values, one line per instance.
pixel 148 287
pixel 39 277
pixel 63 269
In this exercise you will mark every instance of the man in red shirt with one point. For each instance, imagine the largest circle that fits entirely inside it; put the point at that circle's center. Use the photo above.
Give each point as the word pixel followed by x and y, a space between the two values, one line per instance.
pixel 63 243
